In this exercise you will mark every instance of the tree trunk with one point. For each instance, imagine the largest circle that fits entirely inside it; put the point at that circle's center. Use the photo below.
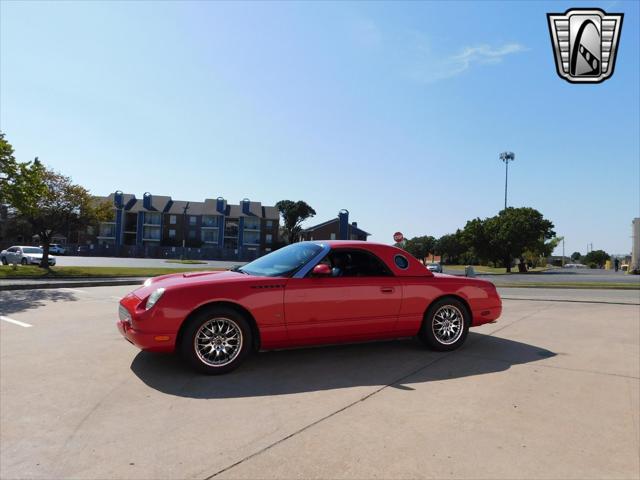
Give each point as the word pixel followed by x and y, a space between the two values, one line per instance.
pixel 507 264
pixel 44 263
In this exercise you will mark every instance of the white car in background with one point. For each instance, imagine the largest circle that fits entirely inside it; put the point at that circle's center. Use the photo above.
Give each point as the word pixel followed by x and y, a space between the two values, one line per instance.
pixel 24 256
pixel 56 249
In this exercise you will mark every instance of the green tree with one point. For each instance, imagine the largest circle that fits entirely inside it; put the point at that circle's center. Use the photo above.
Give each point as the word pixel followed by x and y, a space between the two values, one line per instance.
pixel 576 256
pixel 509 235
pixel 451 247
pixel 50 202
pixel 420 247
pixel 7 165
pixel 597 258
pixel 293 214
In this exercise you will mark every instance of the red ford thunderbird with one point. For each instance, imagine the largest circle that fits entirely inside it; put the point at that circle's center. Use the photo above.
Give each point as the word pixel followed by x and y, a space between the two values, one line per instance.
pixel 307 293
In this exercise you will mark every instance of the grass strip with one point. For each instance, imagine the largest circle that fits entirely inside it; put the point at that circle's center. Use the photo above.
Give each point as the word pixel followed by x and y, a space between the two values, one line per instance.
pixel 29 272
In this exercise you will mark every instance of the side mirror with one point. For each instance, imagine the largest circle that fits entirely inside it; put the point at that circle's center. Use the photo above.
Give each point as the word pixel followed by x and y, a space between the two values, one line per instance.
pixel 321 270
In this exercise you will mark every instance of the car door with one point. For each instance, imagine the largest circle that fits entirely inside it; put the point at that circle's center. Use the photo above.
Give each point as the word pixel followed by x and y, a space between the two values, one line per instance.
pixel 10 255
pixel 360 300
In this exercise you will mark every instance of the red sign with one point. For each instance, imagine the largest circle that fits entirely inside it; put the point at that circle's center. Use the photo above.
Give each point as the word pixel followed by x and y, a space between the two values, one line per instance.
pixel 398 237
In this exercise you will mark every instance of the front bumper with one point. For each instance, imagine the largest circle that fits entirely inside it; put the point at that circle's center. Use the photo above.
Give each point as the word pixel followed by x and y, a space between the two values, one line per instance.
pixel 131 327
pixel 36 261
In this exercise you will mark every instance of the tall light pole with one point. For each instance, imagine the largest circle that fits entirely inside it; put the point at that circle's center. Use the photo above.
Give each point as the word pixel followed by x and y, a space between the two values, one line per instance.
pixel 506 157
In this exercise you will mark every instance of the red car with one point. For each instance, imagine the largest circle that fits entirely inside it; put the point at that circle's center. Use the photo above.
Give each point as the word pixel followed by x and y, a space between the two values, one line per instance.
pixel 307 293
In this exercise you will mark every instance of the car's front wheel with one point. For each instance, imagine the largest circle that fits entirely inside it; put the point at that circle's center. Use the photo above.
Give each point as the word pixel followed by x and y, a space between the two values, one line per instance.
pixel 446 325
pixel 216 340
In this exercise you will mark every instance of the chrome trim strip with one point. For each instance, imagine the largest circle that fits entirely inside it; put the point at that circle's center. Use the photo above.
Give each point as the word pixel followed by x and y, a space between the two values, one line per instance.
pixel 313 262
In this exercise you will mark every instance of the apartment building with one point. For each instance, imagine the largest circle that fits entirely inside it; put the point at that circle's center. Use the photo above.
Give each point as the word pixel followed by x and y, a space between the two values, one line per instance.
pixel 157 223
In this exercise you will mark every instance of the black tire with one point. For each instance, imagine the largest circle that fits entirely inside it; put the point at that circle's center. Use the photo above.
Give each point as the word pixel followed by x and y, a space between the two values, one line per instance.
pixel 439 335
pixel 4 261
pixel 229 321
pixel 23 261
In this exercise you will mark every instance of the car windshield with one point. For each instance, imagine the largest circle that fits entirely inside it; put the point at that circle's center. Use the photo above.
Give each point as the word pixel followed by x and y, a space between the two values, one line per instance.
pixel 282 262
pixel 31 250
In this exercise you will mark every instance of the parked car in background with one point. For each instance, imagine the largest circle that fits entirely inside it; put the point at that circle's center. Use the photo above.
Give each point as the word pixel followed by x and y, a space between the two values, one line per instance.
pixel 434 267
pixel 24 256
pixel 83 250
pixel 308 293
pixel 56 249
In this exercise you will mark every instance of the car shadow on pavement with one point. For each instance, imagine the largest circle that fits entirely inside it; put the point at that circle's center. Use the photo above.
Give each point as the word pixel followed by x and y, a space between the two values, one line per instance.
pixel 16 301
pixel 397 363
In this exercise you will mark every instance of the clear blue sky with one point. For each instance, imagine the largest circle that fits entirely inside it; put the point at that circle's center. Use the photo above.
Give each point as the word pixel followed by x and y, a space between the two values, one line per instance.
pixel 395 111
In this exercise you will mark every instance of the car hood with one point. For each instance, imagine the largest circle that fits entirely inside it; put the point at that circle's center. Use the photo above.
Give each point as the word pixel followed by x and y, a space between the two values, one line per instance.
pixel 182 279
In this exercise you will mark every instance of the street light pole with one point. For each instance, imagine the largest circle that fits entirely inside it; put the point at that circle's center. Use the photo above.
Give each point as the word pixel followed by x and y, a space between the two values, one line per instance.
pixel 506 157
pixel 184 229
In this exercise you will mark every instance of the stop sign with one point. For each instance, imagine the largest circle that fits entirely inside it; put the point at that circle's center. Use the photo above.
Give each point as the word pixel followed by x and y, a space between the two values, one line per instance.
pixel 398 237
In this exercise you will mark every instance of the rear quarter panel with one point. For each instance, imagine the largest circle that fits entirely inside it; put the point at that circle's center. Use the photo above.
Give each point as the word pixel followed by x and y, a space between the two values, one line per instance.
pixel 420 292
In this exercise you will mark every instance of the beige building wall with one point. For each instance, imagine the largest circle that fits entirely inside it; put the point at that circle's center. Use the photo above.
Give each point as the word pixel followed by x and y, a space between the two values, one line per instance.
pixel 635 247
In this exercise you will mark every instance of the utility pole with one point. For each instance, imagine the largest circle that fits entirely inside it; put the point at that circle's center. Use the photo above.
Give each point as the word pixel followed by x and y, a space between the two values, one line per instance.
pixel 184 229
pixel 506 157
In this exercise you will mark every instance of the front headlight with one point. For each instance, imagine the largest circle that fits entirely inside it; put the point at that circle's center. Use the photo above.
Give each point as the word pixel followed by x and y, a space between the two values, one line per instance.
pixel 154 297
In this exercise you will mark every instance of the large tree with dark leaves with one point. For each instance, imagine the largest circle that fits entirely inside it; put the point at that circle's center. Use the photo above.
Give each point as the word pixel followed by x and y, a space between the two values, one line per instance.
pixel 509 234
pixel 293 214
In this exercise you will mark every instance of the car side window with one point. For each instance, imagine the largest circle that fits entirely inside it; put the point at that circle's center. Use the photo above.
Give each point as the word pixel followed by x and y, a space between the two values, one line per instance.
pixel 356 263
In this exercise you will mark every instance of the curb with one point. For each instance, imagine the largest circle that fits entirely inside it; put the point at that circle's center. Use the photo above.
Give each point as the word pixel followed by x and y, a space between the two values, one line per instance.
pixel 70 284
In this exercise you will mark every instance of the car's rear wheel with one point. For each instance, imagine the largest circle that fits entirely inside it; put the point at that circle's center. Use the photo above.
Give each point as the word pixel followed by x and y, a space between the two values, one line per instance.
pixel 446 325
pixel 216 340
pixel 4 261
pixel 23 261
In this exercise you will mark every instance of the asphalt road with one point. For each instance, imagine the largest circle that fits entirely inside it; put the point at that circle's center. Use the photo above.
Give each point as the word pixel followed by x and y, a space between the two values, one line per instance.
pixel 549 391
pixel 559 276
pixel 66 261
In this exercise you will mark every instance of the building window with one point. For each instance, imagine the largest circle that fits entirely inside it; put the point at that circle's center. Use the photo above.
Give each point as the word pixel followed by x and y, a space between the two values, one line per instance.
pixel 192 234
pixel 210 220
pixel 107 230
pixel 251 237
pixel 269 223
pixel 192 220
pixel 209 235
pixel 333 236
pixel 231 227
pixel 251 223
pixel 172 232
pixel 152 218
pixel 151 233
pixel 172 219
pixel 268 238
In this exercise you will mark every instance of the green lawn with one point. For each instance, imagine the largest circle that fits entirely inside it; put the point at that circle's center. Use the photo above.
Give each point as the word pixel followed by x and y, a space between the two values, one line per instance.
pixel 7 271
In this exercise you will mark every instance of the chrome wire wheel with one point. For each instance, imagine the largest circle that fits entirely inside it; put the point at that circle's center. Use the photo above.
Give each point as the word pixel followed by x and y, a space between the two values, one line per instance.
pixel 448 324
pixel 218 342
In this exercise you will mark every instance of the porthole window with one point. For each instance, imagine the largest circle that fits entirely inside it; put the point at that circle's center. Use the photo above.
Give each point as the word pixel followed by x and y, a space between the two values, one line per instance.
pixel 401 262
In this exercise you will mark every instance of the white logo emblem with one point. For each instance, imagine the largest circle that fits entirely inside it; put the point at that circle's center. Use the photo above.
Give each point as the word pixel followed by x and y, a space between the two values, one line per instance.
pixel 585 42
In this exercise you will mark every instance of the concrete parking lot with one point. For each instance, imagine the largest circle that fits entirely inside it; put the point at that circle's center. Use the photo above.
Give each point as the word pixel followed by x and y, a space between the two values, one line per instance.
pixel 549 391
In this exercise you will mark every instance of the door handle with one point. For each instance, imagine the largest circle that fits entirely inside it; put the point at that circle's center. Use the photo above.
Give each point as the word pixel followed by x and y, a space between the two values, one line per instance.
pixel 387 289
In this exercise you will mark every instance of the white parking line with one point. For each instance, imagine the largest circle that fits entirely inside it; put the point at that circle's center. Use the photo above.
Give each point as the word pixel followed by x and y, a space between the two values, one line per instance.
pixel 73 290
pixel 17 322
